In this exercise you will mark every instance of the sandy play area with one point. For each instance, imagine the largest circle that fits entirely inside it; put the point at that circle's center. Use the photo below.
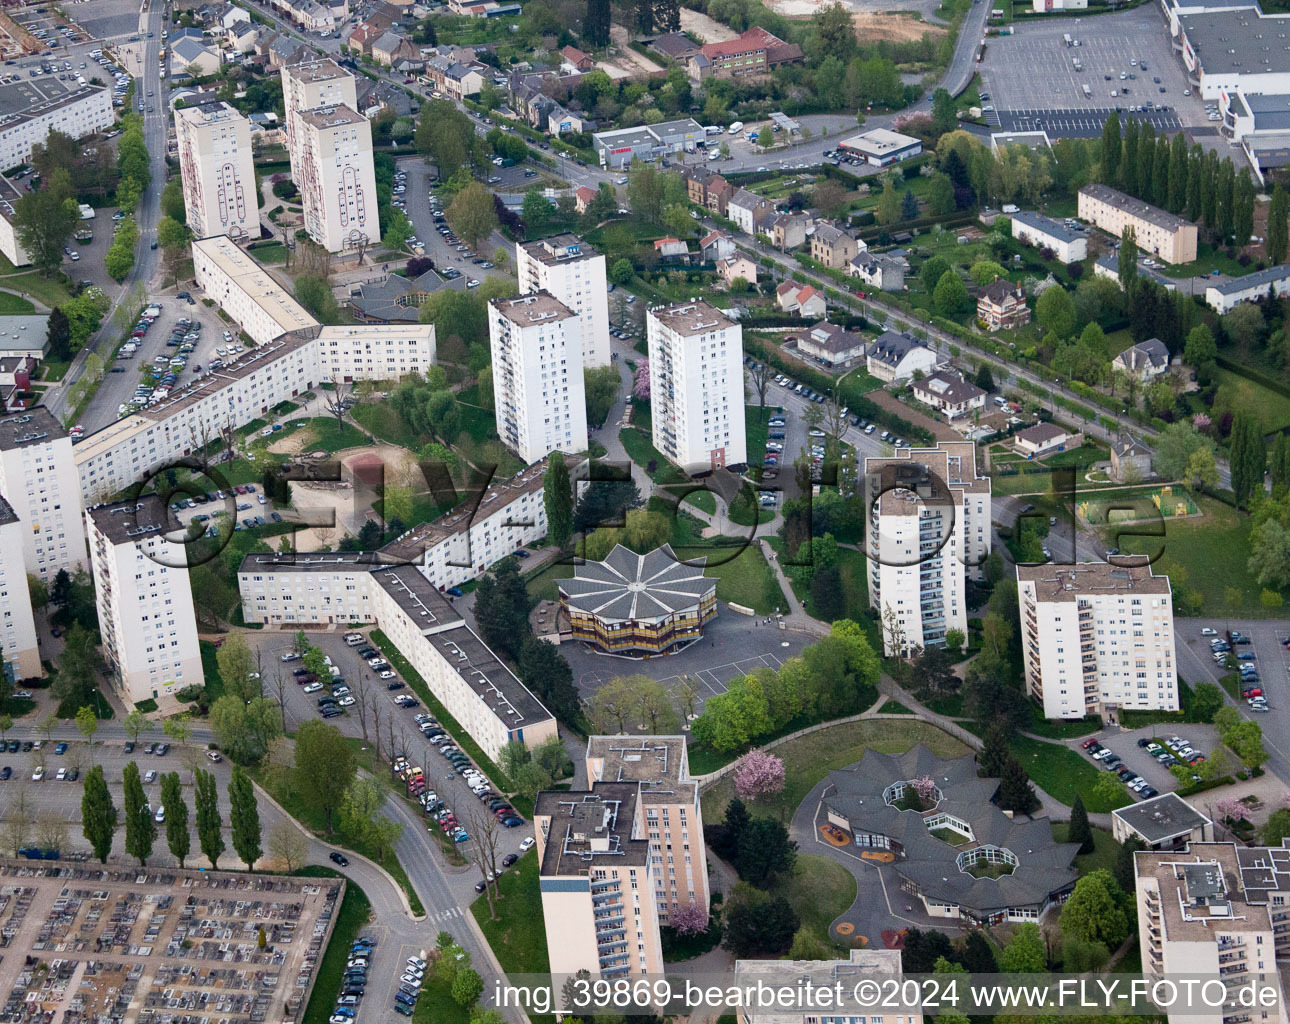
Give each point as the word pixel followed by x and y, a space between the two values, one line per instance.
pixel 874 20
pixel 705 28
pixel 627 62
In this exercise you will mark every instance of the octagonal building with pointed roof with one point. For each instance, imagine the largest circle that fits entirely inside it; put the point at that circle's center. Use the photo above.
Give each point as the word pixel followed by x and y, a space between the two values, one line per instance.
pixel 638 605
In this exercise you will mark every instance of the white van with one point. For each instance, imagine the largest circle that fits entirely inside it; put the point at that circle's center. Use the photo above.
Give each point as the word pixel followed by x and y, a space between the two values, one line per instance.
pixel 735 128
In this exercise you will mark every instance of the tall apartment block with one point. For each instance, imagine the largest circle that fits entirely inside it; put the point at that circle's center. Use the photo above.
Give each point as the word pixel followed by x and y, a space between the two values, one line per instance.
pixel 574 273
pixel 660 764
pixel 929 523
pixel 1216 909
pixel 18 650
pixel 38 477
pixel 145 601
pixel 218 173
pixel 596 879
pixel 538 393
pixel 882 966
pixel 1097 637
pixel 330 145
pixel 696 359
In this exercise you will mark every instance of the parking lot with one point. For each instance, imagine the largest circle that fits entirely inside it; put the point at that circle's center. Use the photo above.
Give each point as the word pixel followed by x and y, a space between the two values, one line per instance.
pixel 1034 70
pixel 1124 743
pixel 1079 124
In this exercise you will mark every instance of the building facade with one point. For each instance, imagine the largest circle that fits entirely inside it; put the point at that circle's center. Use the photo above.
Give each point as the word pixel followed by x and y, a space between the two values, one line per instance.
pixel 949 394
pixel 538 393
pixel 596 875
pixel 696 383
pixel 478 690
pixel 21 655
pixel 1067 245
pixel 897 356
pixel 929 526
pixel 330 145
pixel 882 966
pixel 1001 306
pixel 574 273
pixel 77 112
pixel 1226 296
pixel 38 479
pixel 9 244
pixel 673 814
pixel 1161 234
pixel 1097 638
pixel 218 173
pixel 144 598
pixel 246 291
pixel 834 247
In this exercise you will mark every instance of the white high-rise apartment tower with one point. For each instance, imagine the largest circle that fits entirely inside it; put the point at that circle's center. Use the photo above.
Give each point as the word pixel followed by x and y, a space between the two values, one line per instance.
pixel 574 273
pixel 928 519
pixel 696 356
pixel 330 145
pixel 144 597
pixel 1097 637
pixel 538 393
pixel 17 623
pixel 38 477
pixel 218 173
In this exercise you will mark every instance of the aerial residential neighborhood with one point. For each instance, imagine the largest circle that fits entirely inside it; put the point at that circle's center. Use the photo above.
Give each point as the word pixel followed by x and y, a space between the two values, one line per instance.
pixel 782 490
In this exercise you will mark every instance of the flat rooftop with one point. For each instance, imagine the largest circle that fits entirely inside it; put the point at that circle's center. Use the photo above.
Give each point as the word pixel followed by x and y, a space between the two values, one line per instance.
pixel 210 112
pixel 332 117
pixel 658 763
pixel 1083 579
pixel 1135 207
pixel 377 332
pixel 589 829
pixel 532 309
pixel 1239 41
pixel 566 248
pixel 250 277
pixel 9 194
pixel 690 318
pixel 35 426
pixel 126 522
pixel 879 141
pixel 316 71
pixel 1050 227
pixel 30 98
pixel 1200 888
pixel 1162 817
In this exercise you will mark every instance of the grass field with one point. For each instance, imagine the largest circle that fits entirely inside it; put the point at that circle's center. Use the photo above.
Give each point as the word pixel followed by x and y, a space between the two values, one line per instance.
pixel 477 422
pixel 355 910
pixel 11 303
pixel 742 576
pixel 518 936
pixel 325 436
pixel 1134 504
pixel 809 758
pixel 1272 409
pixel 49 290
pixel 384 421
pixel 1207 259
pixel 819 890
pixel 853 567
pixel 541 585
pixel 1061 772
pixel 1103 856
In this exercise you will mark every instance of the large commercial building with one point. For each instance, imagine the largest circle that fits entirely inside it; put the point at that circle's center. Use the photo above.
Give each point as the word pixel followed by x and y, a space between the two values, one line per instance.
pixel 218 173
pixel 26 119
pixel 673 815
pixel 330 145
pixel 881 966
pixel 574 273
pixel 477 689
pixel 638 605
pixel 882 147
pixel 596 876
pixel 18 650
pixel 38 479
pixel 1157 232
pixel 929 526
pixel 144 598
pixel 462 544
pixel 1237 48
pixel 246 291
pixel 1217 910
pixel 1097 637
pixel 696 356
pixel 538 394
pixel 620 147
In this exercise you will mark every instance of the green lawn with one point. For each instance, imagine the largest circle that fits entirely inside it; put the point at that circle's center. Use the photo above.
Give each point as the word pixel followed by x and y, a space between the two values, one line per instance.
pixel 894 707
pixel 755 431
pixel 703 500
pixel 325 436
pixel 437 1006
pixel 355 911
pixel 542 584
pixel 1272 409
pixel 518 936
pixel 210 671
pixel 1103 856
pixel 853 567
pixel 1207 258
pixel 819 890
pixel 1061 772
pixel 640 449
pixel 1057 729
pixel 11 303
pixel 475 421
pixel 49 290
pixel 382 420
pixel 809 758
pixel 742 576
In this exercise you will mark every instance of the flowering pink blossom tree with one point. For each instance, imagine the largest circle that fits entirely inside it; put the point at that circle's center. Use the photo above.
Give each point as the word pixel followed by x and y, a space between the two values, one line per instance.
pixel 925 787
pixel 688 920
pixel 758 774
pixel 640 383
pixel 1229 810
pixel 1200 421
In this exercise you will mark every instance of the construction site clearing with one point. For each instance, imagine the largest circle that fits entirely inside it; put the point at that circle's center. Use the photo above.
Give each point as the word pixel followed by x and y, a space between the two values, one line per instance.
pixel 81 944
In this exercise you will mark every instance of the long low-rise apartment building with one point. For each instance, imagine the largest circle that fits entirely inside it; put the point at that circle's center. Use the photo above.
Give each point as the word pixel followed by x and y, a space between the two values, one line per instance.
pixel 1068 246
pixel 1158 232
pixel 246 291
pixel 23 123
pixel 1272 282
pixel 134 447
pixel 462 544
pixel 478 690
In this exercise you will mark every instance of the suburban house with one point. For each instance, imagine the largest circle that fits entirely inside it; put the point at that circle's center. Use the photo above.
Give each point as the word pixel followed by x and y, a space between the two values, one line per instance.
pixel 881 270
pixel 582 196
pixel 1043 438
pixel 577 60
pixel 834 246
pixel 672 250
pixel 363 36
pixel 947 392
pixel 742 207
pixel 707 188
pixel 803 300
pixel 232 14
pixel 241 36
pixel 561 119
pixel 1130 460
pixel 1145 360
pixel 755 52
pixel 462 80
pixel 716 245
pixel 830 344
pixel 737 265
pixel 391 47
pixel 1002 306
pixel 194 57
pixel 897 356
pixel 788 230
